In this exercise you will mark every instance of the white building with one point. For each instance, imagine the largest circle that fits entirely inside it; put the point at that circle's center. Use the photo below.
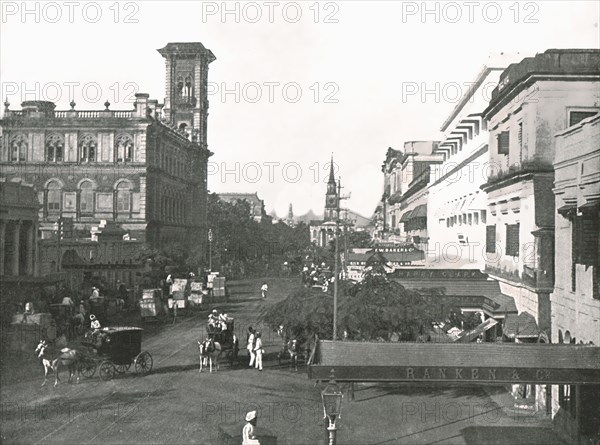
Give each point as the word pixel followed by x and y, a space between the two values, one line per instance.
pixel 456 211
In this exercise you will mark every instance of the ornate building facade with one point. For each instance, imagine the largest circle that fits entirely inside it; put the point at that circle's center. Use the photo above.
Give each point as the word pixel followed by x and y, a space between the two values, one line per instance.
pixel 144 171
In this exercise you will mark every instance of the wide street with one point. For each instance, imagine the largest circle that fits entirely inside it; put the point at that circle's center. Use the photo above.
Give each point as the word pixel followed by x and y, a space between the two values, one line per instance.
pixel 176 404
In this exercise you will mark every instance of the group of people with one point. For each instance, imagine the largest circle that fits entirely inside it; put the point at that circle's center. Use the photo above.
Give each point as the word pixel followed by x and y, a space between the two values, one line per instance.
pixel 218 322
pixel 255 349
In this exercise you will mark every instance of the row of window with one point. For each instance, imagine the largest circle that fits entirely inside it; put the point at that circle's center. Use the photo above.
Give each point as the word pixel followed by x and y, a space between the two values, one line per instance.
pixel 171 162
pixel 86 199
pixel 503 137
pixel 466 219
pixel 55 148
pixel 512 239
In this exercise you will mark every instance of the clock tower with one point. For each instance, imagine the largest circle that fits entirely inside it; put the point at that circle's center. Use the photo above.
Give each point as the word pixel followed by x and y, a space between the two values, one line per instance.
pixel 331 198
pixel 186 100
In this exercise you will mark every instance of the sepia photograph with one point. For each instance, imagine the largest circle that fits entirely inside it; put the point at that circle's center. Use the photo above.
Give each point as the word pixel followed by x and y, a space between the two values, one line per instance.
pixel 300 222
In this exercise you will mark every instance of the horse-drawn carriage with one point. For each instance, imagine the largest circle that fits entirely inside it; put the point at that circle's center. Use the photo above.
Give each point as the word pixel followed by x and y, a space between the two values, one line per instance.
pixel 116 349
pixel 226 338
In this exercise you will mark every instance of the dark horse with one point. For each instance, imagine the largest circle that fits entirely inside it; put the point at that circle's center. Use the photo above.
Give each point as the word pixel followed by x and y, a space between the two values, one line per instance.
pixel 67 357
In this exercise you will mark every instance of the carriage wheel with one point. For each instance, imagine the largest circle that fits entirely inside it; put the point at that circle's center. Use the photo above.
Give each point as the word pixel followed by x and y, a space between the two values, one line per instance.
pixel 143 363
pixel 123 368
pixel 88 369
pixel 107 370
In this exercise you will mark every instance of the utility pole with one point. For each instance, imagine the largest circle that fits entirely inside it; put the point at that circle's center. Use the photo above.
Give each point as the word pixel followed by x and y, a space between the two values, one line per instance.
pixel 337 261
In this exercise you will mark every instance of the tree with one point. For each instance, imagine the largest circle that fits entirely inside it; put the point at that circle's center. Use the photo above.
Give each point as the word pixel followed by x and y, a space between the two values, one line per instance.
pixel 375 308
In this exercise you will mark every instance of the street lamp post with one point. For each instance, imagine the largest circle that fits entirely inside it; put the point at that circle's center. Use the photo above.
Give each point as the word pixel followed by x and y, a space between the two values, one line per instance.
pixel 332 406
pixel 210 239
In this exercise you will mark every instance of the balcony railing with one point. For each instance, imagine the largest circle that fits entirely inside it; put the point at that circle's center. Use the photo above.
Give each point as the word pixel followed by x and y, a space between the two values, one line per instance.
pixel 80 114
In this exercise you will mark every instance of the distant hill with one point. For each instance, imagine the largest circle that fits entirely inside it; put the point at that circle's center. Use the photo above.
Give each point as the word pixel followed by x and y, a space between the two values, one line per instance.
pixel 305 218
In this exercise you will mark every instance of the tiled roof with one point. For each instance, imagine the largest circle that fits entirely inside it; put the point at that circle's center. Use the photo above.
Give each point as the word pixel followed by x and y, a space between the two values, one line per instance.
pixel 467 288
pixel 522 325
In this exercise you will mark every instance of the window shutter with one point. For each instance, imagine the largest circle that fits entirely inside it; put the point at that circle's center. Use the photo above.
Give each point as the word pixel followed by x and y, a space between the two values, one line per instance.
pixel 512 239
pixel 503 142
pixel 587 229
pixel 490 239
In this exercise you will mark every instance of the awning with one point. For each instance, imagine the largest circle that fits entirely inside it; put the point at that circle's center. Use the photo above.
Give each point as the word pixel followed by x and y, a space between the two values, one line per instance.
pixel 406 216
pixel 419 212
pixel 469 336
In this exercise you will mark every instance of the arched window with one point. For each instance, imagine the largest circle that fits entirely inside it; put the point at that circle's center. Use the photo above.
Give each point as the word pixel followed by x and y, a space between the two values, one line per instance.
pixel 124 148
pixel 87 148
pixel 188 87
pixel 55 147
pixel 86 197
pixel 123 197
pixel 180 86
pixel 53 200
pixel 18 148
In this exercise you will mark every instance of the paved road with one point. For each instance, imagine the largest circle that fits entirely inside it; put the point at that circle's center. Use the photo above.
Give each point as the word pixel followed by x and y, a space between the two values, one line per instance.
pixel 175 404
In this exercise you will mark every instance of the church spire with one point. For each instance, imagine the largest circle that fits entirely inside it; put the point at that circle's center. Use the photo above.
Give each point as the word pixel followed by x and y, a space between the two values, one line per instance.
pixel 331 171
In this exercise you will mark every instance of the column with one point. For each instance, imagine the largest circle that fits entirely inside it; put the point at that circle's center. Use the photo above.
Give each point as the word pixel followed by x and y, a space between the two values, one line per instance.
pixel 30 248
pixel 16 247
pixel 2 246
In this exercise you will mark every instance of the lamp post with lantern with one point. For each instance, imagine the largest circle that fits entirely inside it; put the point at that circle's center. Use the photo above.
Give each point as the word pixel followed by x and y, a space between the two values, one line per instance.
pixel 332 406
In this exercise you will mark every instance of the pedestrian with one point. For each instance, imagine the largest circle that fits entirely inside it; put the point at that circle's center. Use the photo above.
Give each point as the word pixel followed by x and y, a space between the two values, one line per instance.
pixel 248 437
pixel 95 293
pixel 258 351
pixel 67 301
pixel 250 346
pixel 264 289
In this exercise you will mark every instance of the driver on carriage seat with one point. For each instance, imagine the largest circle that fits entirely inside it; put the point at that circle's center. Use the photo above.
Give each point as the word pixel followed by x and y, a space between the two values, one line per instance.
pixel 95 327
pixel 213 319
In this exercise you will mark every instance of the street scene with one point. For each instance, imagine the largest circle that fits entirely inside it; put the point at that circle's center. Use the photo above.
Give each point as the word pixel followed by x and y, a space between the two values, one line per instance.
pixel 300 223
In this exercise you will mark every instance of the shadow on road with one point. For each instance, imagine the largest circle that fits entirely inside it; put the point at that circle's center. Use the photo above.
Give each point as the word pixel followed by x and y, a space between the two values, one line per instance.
pixel 492 435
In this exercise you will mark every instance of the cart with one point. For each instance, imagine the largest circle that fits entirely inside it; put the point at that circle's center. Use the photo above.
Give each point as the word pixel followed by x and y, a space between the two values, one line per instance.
pixel 227 339
pixel 151 305
pixel 116 349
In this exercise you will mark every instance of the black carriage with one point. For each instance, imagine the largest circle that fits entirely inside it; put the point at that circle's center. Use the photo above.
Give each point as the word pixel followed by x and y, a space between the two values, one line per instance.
pixel 116 349
pixel 227 339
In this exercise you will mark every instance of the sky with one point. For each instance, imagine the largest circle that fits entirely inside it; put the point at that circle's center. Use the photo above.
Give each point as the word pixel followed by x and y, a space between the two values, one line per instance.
pixel 293 83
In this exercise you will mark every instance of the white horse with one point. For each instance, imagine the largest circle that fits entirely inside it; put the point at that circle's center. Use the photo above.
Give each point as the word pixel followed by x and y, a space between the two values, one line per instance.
pixel 210 351
pixel 67 357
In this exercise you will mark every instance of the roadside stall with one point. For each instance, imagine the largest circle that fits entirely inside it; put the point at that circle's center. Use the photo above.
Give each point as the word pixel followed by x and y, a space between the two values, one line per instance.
pixel 151 305
pixel 197 294
pixel 178 294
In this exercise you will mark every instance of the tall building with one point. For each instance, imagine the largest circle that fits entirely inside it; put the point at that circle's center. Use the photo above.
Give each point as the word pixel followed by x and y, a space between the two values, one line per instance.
pixel 535 99
pixel 143 169
pixel 407 174
pixel 456 211
pixel 576 297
